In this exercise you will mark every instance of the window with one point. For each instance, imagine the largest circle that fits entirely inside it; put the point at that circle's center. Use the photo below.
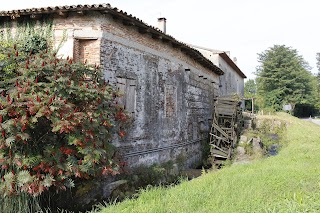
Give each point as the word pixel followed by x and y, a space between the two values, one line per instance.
pixel 128 89
pixel 87 50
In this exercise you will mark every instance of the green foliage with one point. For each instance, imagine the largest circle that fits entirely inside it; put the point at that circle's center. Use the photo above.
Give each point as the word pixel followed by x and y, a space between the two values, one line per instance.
pixel 271 132
pixel 57 119
pixel 147 175
pixel 283 78
pixel 142 177
pixel 288 182
pixel 35 44
pixel 30 36
pixel 247 148
pixel 250 93
pixel 22 204
pixel 317 82
pixel 181 158
pixel 250 89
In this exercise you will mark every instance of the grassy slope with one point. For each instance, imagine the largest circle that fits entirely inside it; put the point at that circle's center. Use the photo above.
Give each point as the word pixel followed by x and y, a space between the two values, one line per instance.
pixel 289 182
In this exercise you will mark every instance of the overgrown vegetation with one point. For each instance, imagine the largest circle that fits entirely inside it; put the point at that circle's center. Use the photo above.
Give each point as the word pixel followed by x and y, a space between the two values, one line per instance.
pixel 288 182
pixel 265 138
pixel 57 119
pixel 142 177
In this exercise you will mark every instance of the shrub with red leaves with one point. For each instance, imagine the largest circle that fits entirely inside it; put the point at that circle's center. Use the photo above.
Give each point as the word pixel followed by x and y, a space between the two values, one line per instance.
pixel 57 119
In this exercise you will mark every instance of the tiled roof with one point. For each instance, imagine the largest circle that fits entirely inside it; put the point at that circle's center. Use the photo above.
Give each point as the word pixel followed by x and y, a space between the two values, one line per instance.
pixel 127 19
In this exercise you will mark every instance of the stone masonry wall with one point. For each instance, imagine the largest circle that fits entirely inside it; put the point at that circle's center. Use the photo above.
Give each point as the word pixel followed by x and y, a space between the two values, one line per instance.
pixel 173 106
pixel 169 95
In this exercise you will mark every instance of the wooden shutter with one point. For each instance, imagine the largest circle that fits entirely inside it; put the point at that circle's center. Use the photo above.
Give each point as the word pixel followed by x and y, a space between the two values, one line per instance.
pixel 127 88
pixel 121 86
pixel 131 95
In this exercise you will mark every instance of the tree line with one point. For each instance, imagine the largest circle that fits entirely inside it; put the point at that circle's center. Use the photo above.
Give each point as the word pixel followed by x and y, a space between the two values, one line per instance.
pixel 285 82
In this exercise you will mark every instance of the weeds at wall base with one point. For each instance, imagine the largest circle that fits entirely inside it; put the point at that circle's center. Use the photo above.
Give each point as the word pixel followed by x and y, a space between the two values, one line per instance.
pixel 23 203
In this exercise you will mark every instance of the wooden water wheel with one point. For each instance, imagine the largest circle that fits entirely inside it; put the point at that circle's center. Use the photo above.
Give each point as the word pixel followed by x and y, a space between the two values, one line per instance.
pixel 225 129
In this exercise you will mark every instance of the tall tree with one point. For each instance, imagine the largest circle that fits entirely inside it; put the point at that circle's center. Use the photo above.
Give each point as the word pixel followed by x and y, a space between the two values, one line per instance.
pixel 318 81
pixel 250 88
pixel 284 77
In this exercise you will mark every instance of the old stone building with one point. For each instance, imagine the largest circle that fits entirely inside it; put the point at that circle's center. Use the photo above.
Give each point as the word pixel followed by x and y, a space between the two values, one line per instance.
pixel 232 82
pixel 168 86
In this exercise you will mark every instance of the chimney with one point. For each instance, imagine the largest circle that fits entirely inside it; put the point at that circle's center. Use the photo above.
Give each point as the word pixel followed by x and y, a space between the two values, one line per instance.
pixel 235 60
pixel 162 22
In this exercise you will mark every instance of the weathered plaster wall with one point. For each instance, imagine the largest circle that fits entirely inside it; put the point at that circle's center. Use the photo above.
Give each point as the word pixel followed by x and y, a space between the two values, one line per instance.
pixel 231 81
pixel 173 106
pixel 173 94
pixel 213 57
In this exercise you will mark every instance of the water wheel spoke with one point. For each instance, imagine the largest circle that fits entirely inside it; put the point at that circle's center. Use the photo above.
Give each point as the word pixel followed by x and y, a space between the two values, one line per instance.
pixel 225 125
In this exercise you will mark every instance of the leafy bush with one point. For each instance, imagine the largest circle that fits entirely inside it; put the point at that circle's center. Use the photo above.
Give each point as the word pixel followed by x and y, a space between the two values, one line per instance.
pixel 57 119
pixel 35 44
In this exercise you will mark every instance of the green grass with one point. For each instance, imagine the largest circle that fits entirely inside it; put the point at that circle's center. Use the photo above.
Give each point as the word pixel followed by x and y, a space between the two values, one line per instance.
pixel 288 182
pixel 24 203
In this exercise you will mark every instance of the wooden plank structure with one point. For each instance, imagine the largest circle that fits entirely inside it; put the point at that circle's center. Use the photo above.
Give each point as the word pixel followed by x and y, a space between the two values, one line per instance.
pixel 226 127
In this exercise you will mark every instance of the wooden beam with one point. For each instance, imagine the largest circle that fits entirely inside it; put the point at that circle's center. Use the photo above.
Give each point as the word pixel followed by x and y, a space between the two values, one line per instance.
pixel 216 151
pixel 220 130
pixel 216 147
pixel 143 30
pixel 63 14
pixel 81 12
pixel 155 36
pixel 165 40
pixel 105 11
pixel 14 16
pixel 184 49
pixel 35 16
pixel 115 17
pixel 220 138
pixel 176 44
pixel 127 23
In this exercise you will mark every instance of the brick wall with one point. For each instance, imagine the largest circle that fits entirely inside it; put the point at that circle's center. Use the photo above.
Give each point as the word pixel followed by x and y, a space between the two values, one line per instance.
pixel 87 51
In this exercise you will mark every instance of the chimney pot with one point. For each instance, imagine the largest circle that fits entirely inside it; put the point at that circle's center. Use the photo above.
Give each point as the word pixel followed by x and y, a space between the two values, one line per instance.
pixel 162 22
pixel 235 60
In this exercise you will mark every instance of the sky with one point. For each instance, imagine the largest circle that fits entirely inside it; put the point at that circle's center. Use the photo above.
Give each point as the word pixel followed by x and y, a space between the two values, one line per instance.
pixel 245 28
